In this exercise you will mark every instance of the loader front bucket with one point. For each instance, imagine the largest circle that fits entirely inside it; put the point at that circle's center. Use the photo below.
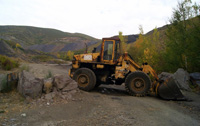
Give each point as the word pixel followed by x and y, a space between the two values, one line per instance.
pixel 169 90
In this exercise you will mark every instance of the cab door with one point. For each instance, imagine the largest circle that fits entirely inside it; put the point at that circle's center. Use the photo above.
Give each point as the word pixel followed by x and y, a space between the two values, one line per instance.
pixel 108 51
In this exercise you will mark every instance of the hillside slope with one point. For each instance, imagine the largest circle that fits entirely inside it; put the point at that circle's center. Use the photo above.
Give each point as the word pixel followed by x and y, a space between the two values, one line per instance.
pixel 45 39
pixel 5 49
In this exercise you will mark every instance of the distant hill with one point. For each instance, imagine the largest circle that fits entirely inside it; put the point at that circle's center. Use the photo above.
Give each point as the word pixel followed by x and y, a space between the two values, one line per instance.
pixel 52 40
pixel 129 39
pixel 45 39
pixel 9 48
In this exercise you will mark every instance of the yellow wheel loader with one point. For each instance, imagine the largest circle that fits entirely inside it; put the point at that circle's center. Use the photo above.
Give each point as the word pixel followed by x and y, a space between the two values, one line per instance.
pixel 111 66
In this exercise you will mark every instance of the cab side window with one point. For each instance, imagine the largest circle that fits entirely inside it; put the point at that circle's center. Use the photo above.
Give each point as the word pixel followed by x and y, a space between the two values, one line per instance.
pixel 108 49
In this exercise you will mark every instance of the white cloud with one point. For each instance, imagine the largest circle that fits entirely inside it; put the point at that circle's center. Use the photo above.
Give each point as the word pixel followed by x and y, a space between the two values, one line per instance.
pixel 98 18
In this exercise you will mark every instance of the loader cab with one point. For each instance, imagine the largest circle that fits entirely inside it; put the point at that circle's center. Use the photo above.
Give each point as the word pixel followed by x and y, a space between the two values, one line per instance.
pixel 110 50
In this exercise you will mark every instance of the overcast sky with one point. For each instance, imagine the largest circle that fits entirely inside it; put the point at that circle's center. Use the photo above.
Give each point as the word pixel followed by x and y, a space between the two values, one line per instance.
pixel 97 18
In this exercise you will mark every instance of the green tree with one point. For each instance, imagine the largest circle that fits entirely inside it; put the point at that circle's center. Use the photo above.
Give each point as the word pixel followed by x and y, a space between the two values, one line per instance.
pixel 137 49
pixel 69 55
pixel 183 38
pixel 58 55
pixel 123 42
pixel 148 48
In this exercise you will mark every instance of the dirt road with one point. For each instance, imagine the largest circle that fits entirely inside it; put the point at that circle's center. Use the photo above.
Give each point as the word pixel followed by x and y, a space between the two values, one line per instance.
pixel 107 105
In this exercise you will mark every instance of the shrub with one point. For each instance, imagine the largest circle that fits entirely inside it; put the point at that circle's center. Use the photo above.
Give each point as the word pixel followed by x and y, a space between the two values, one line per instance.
pixel 49 75
pixel 7 63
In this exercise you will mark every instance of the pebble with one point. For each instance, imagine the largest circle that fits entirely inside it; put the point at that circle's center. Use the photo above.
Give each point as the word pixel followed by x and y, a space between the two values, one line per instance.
pixel 23 114
pixel 13 119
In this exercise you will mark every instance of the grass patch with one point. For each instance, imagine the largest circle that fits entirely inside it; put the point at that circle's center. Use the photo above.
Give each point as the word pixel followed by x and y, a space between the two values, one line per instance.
pixel 25 67
pixel 42 58
pixel 49 74
pixel 7 63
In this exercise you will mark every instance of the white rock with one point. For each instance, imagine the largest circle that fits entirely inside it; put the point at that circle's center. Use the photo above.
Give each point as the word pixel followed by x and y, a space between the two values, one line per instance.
pixel 23 114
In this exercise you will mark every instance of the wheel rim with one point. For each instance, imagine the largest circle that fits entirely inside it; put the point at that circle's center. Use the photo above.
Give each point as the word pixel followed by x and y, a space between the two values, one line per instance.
pixel 138 84
pixel 83 80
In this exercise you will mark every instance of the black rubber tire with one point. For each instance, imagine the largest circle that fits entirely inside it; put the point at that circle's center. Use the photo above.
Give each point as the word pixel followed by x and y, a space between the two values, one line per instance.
pixel 137 83
pixel 85 78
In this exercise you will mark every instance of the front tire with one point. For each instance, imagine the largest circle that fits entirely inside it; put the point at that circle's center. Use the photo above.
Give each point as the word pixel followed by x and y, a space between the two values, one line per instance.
pixel 137 83
pixel 85 78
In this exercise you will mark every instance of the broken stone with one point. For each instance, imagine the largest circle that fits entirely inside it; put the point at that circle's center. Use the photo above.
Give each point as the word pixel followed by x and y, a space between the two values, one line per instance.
pixel 195 75
pixel 182 77
pixel 23 114
pixel 69 96
pixel 50 96
pixel 73 92
pixel 71 86
pixel 60 81
pixel 195 78
pixel 63 96
pixel 30 86
pixel 64 83
pixel 55 89
pixel 13 119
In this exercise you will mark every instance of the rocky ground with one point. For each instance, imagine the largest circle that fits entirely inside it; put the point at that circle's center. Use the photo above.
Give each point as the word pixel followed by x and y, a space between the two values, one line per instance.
pixel 106 105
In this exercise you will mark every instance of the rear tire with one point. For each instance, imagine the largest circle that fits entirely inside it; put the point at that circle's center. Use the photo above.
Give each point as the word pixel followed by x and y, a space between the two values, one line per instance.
pixel 85 78
pixel 137 83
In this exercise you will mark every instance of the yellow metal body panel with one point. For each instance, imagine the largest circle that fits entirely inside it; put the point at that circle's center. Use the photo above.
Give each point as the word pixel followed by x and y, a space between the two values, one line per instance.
pixel 148 69
pixel 75 65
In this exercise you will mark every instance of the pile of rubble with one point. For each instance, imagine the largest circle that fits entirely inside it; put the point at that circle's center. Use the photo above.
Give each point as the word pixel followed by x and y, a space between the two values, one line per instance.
pixel 57 87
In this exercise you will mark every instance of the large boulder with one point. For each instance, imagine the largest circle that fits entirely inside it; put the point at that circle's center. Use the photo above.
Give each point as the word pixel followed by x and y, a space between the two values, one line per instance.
pixel 64 86
pixel 195 78
pixel 182 77
pixel 63 82
pixel 29 86
pixel 72 85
